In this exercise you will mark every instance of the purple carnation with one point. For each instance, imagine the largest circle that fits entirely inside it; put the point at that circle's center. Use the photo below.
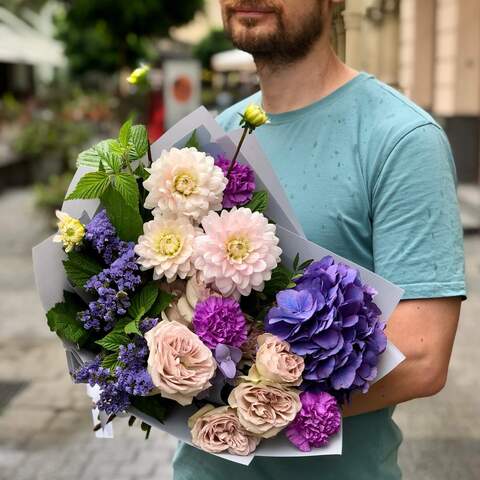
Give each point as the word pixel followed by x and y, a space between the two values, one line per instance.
pixel 241 183
pixel 220 320
pixel 316 422
pixel 330 319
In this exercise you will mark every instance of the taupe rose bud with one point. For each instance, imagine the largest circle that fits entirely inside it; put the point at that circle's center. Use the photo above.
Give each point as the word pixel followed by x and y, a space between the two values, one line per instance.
pixel 264 409
pixel 275 362
pixel 218 430
pixel 180 365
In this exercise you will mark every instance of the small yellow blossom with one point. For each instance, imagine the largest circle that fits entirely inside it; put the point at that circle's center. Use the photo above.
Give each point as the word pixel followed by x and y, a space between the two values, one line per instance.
pixel 138 75
pixel 254 116
pixel 70 231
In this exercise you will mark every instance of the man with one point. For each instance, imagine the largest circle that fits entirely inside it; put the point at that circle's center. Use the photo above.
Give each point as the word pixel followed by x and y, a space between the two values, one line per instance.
pixel 371 177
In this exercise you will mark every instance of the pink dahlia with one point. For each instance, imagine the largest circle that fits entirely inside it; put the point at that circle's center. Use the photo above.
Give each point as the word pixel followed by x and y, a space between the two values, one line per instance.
pixel 237 252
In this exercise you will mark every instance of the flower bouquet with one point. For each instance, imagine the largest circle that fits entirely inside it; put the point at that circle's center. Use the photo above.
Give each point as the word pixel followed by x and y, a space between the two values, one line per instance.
pixel 185 292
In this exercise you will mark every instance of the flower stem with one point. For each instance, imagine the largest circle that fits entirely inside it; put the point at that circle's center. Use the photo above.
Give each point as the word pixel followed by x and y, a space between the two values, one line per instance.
pixel 234 159
pixel 150 160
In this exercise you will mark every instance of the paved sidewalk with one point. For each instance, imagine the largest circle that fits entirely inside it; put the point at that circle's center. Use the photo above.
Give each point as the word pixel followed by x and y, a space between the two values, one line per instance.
pixel 45 430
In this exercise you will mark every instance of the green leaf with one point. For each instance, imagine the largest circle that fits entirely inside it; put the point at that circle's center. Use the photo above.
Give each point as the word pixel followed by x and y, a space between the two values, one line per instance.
pixel 162 302
pixel 124 134
pixel 112 341
pixel 132 327
pixel 138 142
pixel 141 172
pixel 295 262
pixel 305 264
pixel 111 361
pixel 79 268
pixel 259 202
pixel 143 301
pixel 62 319
pixel 113 160
pixel 193 141
pixel 154 406
pixel 91 185
pixel 126 220
pixel 126 185
pixel 120 325
pixel 91 156
pixel 281 278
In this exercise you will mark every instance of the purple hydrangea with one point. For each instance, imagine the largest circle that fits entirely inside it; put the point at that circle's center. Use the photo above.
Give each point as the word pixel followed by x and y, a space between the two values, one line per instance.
pixel 103 237
pixel 112 286
pixel 241 183
pixel 330 319
pixel 316 422
pixel 220 320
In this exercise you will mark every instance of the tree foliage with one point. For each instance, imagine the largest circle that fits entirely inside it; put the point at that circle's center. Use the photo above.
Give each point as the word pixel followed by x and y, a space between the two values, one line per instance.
pixel 106 35
pixel 214 42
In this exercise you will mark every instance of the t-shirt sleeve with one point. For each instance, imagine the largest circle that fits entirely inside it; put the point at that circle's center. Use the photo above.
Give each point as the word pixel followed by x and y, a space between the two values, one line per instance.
pixel 417 232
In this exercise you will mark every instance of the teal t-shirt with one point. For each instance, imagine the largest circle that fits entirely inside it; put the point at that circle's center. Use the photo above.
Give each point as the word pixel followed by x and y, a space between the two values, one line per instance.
pixel 371 177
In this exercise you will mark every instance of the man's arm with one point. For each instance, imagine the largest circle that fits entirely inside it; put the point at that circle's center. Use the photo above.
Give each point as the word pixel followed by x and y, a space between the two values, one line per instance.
pixel 424 330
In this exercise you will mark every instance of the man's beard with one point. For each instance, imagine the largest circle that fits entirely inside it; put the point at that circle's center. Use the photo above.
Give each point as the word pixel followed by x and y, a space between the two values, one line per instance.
pixel 282 46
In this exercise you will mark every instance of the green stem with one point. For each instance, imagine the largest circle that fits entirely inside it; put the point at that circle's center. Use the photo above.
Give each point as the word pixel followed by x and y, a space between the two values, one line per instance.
pixel 240 143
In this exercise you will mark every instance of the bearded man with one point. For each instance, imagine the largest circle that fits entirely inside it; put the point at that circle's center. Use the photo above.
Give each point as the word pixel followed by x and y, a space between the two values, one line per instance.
pixel 370 176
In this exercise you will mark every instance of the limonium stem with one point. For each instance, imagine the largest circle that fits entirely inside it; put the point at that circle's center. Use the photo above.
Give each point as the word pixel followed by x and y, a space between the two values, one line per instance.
pixel 240 143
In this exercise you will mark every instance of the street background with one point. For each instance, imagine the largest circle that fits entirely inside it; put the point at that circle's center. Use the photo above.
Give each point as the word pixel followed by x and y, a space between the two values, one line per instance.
pixel 63 87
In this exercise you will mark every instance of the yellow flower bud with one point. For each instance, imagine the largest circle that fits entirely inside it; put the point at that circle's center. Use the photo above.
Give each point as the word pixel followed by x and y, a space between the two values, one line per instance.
pixel 138 75
pixel 254 116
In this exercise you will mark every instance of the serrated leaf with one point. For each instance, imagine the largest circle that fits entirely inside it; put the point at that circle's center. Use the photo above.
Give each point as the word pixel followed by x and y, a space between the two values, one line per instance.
pixel 193 141
pixel 120 325
pixel 91 156
pixel 91 185
pixel 124 134
pixel 113 160
pixel 154 406
pixel 162 302
pixel 111 361
pixel 113 340
pixel 138 142
pixel 126 220
pixel 259 202
pixel 62 319
pixel 132 327
pixel 79 268
pixel 126 185
pixel 143 301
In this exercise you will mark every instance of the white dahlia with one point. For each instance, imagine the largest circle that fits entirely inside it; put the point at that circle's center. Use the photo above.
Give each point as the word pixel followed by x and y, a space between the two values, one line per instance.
pixel 167 246
pixel 238 251
pixel 185 182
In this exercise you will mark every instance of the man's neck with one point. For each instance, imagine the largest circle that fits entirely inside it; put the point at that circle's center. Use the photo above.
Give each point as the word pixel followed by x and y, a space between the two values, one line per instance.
pixel 298 84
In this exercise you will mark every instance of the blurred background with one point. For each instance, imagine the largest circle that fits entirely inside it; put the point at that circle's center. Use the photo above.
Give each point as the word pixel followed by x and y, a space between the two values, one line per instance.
pixel 63 86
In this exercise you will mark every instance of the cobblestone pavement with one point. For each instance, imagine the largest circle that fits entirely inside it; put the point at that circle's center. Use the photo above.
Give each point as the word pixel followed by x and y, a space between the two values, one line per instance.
pixel 45 430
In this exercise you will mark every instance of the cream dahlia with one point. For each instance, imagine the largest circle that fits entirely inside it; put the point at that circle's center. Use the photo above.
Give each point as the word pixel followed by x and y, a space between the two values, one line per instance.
pixel 185 182
pixel 237 252
pixel 167 246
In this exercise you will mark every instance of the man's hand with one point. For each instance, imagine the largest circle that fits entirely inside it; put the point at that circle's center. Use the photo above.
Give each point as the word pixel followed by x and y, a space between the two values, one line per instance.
pixel 424 331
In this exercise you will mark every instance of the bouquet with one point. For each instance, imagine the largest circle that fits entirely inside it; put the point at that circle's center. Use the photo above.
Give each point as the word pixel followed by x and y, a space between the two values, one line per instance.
pixel 184 290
